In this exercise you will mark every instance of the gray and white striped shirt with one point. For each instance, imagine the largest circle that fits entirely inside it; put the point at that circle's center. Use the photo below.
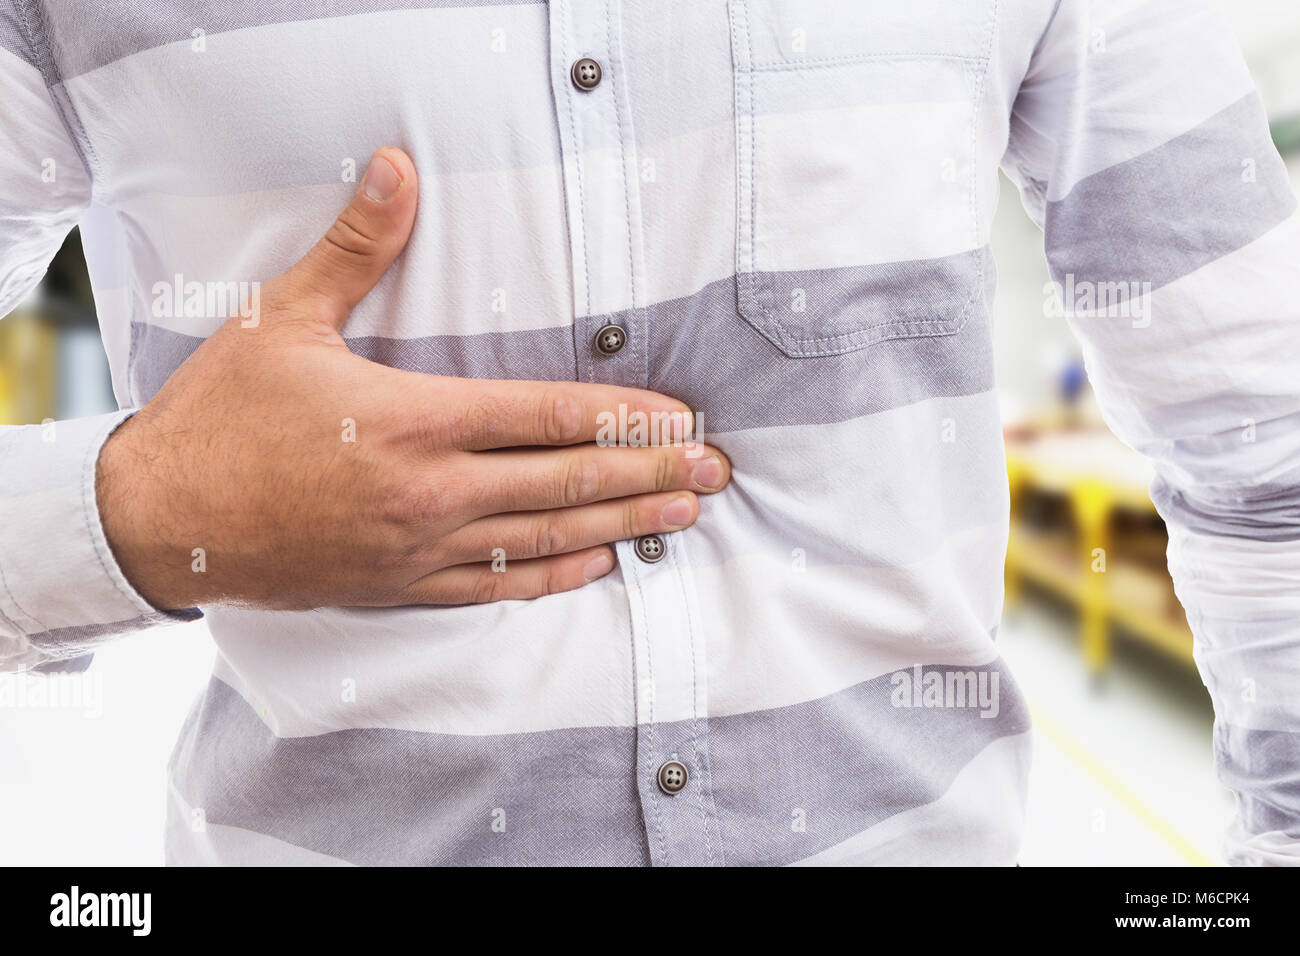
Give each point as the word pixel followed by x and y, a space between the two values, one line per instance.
pixel 786 207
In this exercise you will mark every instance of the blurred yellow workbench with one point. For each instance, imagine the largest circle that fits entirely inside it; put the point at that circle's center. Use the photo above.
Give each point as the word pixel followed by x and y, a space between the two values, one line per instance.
pixel 1070 492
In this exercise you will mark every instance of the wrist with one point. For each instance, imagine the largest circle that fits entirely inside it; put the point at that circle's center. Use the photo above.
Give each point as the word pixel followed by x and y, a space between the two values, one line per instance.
pixel 128 492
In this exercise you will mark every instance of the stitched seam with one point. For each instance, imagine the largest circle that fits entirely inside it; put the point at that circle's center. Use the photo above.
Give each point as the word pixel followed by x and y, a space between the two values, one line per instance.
pixel 777 66
pixel 636 723
pixel 577 162
pixel 650 677
pixel 980 88
pixel 748 279
pixel 640 355
pixel 740 107
pixel 583 328
pixel 622 154
pixel 883 331
pixel 930 327
pixel 695 714
pixel 752 91
pixel 33 24
pixel 972 205
pixel 631 274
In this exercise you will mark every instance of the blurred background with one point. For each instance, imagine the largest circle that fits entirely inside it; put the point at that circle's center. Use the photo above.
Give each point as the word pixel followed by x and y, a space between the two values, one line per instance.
pixel 1123 770
pixel 1123 762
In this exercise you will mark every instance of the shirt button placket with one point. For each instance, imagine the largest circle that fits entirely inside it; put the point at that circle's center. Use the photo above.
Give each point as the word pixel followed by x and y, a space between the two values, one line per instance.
pixel 610 337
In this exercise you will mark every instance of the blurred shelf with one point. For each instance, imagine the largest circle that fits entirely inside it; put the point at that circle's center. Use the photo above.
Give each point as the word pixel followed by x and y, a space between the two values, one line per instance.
pixel 1044 564
pixel 27 361
pixel 1170 635
pixel 1075 552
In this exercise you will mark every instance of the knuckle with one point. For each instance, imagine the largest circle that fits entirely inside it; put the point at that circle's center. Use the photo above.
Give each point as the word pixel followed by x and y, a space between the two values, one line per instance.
pixel 488 588
pixel 401 506
pixel 404 551
pixel 551 536
pixel 406 554
pixel 559 418
pixel 437 555
pixel 469 421
pixel 349 236
pixel 631 520
pixel 391 554
pixel 665 477
pixel 553 579
pixel 412 507
pixel 579 480
pixel 429 431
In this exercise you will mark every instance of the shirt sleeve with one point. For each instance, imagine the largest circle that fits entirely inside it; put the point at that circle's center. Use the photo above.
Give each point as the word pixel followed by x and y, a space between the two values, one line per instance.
pixel 61 591
pixel 1140 146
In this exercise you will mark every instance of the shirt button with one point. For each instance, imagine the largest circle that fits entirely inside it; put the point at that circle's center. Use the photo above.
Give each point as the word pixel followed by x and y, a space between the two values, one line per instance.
pixel 610 339
pixel 672 777
pixel 650 548
pixel 585 73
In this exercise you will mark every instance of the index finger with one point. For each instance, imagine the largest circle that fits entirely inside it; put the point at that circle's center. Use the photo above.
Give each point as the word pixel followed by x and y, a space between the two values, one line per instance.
pixel 480 414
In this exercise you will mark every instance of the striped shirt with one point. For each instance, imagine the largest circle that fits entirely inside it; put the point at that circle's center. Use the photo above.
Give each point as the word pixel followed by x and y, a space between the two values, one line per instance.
pixel 786 207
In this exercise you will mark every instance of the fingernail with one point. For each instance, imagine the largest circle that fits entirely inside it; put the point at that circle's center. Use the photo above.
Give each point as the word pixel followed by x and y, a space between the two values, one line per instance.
pixel 598 566
pixel 677 513
pixel 708 473
pixel 381 180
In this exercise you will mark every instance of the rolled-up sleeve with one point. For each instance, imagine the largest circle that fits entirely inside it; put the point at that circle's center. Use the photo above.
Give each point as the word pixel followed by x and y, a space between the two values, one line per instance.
pixel 1141 147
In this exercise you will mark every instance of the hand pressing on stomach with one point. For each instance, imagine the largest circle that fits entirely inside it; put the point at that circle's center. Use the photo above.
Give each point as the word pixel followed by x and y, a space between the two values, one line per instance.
pixel 243 453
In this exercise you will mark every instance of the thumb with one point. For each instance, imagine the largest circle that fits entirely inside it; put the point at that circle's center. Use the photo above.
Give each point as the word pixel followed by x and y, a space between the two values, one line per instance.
pixel 363 241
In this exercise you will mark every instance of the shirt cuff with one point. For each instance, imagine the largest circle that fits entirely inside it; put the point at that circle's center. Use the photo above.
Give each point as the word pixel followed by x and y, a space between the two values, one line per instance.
pixel 61 590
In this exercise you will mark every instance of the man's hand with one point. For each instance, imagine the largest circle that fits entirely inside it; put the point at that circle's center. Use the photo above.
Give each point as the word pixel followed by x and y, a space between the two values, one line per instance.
pixel 242 453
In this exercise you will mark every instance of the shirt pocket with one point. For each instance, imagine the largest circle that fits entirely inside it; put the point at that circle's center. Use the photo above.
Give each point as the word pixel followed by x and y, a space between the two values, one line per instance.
pixel 856 149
